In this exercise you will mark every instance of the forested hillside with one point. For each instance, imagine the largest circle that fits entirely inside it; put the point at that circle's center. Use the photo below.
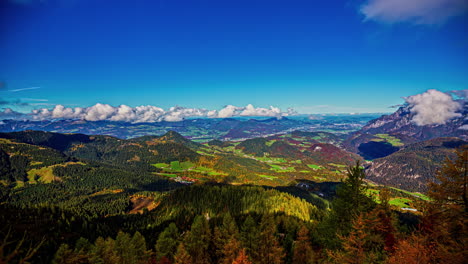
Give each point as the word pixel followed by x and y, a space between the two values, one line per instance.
pixel 164 199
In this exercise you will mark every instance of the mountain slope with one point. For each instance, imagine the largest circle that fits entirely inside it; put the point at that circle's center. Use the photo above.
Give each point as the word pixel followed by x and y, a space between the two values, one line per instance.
pixel 413 166
pixel 385 135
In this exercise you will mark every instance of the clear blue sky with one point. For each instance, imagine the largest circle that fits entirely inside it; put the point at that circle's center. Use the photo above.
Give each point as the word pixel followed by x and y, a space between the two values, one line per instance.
pixel 314 56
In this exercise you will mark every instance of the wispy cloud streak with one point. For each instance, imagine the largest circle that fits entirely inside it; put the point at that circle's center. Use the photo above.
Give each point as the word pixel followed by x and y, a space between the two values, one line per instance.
pixel 24 89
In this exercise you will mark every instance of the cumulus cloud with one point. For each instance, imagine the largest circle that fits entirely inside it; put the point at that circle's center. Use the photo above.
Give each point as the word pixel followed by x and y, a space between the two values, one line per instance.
pixel 421 12
pixel 460 94
pixel 139 114
pixel 433 108
pixel 8 113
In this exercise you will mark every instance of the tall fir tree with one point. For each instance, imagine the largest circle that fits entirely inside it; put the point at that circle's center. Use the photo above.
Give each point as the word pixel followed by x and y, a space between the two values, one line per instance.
pixel 270 250
pixel 302 250
pixel 167 242
pixel 198 240
pixel 250 237
pixel 182 256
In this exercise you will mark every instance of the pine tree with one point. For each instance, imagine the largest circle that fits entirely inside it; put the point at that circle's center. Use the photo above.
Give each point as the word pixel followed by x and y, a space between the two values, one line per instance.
pixel 63 255
pixel 452 189
pixel 350 201
pixel 198 241
pixel 230 251
pixel 226 239
pixel 139 254
pixel 250 237
pixel 166 244
pixel 302 252
pixel 104 252
pixel 413 250
pixel 182 256
pixel 124 248
pixel 270 251
pixel 363 244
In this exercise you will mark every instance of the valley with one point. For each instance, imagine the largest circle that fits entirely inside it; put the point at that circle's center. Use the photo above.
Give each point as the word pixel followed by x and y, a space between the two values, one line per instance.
pixel 102 184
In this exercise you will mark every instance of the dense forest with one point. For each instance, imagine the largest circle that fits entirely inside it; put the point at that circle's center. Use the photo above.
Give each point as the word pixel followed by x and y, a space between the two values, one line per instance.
pixel 60 208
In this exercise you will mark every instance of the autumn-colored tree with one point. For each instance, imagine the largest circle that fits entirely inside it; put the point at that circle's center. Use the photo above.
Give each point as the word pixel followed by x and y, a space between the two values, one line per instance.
pixel 445 222
pixel 164 260
pixel 386 222
pixel 363 244
pixel 242 258
pixel 413 250
pixel 303 253
pixel 451 189
pixel 230 251
pixel 182 256
pixel 269 251
pixel 226 239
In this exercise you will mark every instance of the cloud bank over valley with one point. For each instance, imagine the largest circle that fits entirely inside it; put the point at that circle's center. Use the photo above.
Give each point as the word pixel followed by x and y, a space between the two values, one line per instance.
pixel 140 114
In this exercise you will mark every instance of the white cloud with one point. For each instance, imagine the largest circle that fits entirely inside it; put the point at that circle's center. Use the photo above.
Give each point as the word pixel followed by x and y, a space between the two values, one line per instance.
pixel 433 108
pixel 24 89
pixel 229 111
pixel 8 113
pixel 421 12
pixel 141 114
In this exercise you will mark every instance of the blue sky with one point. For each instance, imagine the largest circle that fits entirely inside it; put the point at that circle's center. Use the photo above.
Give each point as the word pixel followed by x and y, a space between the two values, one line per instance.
pixel 313 56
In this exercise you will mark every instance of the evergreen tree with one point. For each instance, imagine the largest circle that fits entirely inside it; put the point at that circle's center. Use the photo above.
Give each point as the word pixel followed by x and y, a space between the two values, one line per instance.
pixel 451 191
pixel 250 237
pixel 270 251
pixel 198 240
pixel 303 253
pixel 139 253
pixel 350 201
pixel 63 255
pixel 182 256
pixel 104 252
pixel 363 244
pixel 226 239
pixel 230 251
pixel 166 245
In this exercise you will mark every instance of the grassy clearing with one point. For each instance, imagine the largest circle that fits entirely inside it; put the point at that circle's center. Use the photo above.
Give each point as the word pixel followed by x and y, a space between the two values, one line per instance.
pixel 400 202
pixel 270 142
pixel 268 176
pixel 396 142
pixel 315 167
pixel 19 184
pixel 160 165
pixel 338 165
pixel 279 168
pixel 208 171
pixel 416 194
pixel 44 174
pixel 271 160
pixel 177 166
pixel 318 178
